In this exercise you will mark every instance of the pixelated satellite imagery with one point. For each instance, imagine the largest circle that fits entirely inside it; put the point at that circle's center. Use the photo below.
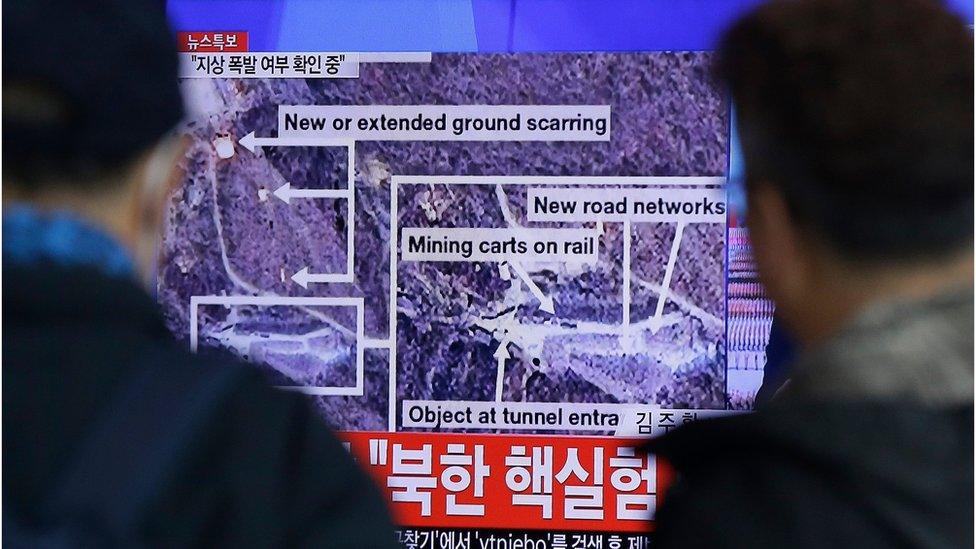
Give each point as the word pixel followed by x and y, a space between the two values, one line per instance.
pixel 231 233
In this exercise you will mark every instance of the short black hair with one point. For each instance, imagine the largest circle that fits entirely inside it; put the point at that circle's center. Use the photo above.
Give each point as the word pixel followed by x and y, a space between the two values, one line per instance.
pixel 860 112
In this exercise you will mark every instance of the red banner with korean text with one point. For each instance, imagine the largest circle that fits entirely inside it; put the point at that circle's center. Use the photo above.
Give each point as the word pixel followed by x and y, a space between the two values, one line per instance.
pixel 212 41
pixel 513 482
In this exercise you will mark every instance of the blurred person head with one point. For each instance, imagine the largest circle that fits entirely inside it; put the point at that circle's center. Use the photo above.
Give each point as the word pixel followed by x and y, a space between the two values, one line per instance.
pixel 90 97
pixel 856 122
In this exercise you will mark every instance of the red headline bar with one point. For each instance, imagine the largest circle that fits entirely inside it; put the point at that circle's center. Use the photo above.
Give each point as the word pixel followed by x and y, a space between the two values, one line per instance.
pixel 212 41
pixel 566 483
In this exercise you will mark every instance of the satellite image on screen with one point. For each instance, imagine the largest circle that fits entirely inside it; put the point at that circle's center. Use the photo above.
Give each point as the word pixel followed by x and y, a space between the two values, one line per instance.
pixel 284 256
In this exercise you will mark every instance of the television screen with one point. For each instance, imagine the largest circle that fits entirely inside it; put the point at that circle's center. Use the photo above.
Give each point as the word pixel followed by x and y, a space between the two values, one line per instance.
pixel 495 271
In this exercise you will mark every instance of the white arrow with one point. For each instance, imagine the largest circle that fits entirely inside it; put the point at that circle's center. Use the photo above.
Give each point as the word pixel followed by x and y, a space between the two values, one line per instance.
pixel 655 321
pixel 286 193
pixel 304 278
pixel 545 302
pixel 501 354
pixel 251 142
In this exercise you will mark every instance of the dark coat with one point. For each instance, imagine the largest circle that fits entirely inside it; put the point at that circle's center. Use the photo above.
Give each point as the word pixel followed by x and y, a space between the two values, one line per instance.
pixel 262 471
pixel 866 474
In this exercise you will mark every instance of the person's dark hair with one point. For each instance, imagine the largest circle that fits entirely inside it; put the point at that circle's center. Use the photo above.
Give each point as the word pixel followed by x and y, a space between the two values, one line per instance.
pixel 861 113
pixel 87 87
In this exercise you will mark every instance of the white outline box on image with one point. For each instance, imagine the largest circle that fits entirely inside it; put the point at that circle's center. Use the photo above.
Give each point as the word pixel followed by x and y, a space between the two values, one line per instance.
pixel 278 301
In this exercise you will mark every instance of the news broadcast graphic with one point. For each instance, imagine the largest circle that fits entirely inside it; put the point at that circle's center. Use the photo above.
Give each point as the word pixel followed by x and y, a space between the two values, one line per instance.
pixel 496 274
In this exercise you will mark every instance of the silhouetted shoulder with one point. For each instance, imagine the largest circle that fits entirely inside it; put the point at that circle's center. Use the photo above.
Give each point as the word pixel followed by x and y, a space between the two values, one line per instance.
pixel 821 476
pixel 256 463
pixel 267 464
